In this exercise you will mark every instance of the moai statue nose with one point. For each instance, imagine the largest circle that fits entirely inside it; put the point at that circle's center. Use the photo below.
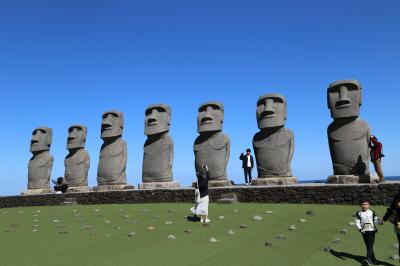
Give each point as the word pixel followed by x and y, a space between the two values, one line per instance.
pixel 343 96
pixel 269 110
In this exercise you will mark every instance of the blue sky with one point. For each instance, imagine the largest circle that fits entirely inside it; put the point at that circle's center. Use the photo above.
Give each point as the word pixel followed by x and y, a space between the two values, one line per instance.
pixel 65 62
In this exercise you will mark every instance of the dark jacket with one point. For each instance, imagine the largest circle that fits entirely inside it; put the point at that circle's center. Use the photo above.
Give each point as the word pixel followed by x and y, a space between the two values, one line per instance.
pixel 203 185
pixel 392 208
pixel 243 157
pixel 376 149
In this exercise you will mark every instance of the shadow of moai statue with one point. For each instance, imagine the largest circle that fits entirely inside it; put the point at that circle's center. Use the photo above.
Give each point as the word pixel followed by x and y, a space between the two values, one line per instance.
pixel 212 147
pixel 41 163
pixel 113 153
pixel 77 162
pixel 274 144
pixel 348 135
pixel 159 147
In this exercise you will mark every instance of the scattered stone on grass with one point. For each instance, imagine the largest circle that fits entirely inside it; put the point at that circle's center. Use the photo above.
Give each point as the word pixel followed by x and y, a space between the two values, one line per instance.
pixel 394 257
pixel 171 237
pixel 337 240
pixel 257 217
pixel 21 212
pixel 268 243
pixel 221 217
pixel 292 227
pixel 35 215
pixel 310 212
pixel 281 237
pixel 243 226
pixel 35 225
pixel 60 226
pixel 172 210
pixel 169 222
pixel 327 249
pixel 150 228
pixel 269 212
pixel 352 223
pixel 100 215
pixel 212 240
pixel 86 226
pixel 63 232
pixel 77 215
pixel 188 231
pixel 235 211
pixel 230 232
pixel 108 235
pixel 56 221
pixel 36 220
pixel 301 220
pixel 156 216
pixel 117 227
pixel 344 231
pixel 131 234
pixel 37 211
pixel 35 230
pixel 75 210
pixel 127 216
pixel 107 221
pixel 144 210
pixel 96 210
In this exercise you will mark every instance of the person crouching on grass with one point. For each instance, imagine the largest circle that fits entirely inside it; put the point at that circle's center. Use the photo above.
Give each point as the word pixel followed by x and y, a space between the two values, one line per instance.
pixel 202 199
pixel 393 215
pixel 366 222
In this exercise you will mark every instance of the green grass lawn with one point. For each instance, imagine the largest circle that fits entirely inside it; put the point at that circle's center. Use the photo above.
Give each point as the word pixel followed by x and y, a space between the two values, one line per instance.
pixel 98 235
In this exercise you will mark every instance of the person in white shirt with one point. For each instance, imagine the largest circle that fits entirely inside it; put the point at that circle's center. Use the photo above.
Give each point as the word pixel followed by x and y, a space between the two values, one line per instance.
pixel 247 165
pixel 366 222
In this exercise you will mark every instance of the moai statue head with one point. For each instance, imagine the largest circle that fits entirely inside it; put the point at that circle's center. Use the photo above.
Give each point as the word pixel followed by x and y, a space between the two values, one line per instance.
pixel 210 117
pixel 112 124
pixel 76 136
pixel 158 118
pixel 41 139
pixel 344 98
pixel 271 110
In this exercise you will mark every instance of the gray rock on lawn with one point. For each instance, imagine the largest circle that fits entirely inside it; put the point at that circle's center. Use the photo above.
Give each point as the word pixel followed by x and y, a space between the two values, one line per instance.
pixel 107 221
pixel 117 227
pixel 56 221
pixel 35 225
pixel 235 211
pixel 337 240
pixel 301 220
pixel 352 223
pixel 268 244
pixel 212 240
pixel 292 227
pixel 281 237
pixel 221 217
pixel 394 257
pixel 150 228
pixel 131 234
pixel 188 231
pixel 171 237
pixel 86 226
pixel 269 212
pixel 168 222
pixel 257 217
pixel 230 232
pixel 127 216
pixel 35 230
pixel 243 226
pixel 344 231
pixel 328 249
pixel 310 212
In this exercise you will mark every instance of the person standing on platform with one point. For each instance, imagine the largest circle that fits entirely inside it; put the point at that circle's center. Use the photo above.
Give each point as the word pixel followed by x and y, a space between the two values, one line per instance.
pixel 247 165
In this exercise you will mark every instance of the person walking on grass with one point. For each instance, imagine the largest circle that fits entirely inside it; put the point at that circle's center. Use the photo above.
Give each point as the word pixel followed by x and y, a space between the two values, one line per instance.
pixel 366 222
pixel 202 198
pixel 247 165
pixel 393 215
pixel 376 156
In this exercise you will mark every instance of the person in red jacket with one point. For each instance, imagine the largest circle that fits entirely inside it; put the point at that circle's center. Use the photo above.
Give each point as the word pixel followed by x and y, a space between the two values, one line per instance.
pixel 376 155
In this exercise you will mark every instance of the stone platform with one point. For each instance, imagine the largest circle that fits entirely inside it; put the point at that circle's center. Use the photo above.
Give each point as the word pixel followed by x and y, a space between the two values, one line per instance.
pixel 158 185
pixel 37 191
pixel 290 180
pixel 105 188
pixel 79 189
pixel 315 193
pixel 353 179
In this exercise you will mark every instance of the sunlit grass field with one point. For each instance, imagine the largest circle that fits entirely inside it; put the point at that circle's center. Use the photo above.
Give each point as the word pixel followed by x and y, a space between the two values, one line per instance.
pixel 118 235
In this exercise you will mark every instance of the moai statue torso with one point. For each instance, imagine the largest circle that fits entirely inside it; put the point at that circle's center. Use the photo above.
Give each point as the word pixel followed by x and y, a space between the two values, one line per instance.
pixel 159 147
pixel 41 163
pixel 212 147
pixel 273 144
pixel 113 153
pixel 348 135
pixel 77 162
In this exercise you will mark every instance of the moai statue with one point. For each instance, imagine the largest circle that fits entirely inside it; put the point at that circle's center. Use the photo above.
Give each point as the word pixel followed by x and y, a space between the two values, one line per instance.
pixel 274 144
pixel 111 172
pixel 77 162
pixel 348 135
pixel 212 147
pixel 158 149
pixel 41 163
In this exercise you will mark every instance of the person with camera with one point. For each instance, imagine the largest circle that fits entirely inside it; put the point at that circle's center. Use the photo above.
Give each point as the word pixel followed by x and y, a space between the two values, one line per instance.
pixel 247 165
pixel 202 198
pixel 393 216
pixel 61 185
pixel 376 156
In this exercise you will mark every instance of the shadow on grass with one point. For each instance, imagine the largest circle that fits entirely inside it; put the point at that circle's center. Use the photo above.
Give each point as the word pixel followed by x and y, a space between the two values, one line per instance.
pixel 361 259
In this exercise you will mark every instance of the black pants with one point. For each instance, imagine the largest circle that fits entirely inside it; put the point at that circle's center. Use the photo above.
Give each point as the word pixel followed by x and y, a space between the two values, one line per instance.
pixel 247 172
pixel 369 239
pixel 63 188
